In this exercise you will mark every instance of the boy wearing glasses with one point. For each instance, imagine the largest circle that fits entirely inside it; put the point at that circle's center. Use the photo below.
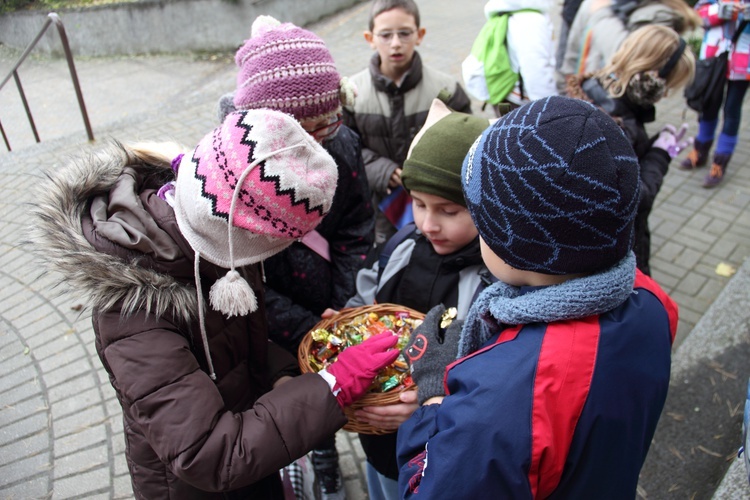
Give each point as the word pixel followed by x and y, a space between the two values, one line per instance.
pixel 395 94
pixel 280 67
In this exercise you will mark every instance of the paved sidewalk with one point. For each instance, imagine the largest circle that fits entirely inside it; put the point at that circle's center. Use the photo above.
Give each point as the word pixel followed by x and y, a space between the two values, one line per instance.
pixel 60 425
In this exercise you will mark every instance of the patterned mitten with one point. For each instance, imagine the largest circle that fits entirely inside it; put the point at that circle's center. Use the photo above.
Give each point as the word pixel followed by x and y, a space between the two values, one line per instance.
pixel 433 345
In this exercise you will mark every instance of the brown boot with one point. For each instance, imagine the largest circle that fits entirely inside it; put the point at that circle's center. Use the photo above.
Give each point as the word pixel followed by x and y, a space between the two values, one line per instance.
pixel 718 167
pixel 698 156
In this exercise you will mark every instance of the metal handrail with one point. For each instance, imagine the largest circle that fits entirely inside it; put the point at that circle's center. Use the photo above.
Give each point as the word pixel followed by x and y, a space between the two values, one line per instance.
pixel 51 18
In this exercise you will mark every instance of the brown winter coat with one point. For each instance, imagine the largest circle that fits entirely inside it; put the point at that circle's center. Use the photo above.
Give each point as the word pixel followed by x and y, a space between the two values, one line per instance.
pixel 101 225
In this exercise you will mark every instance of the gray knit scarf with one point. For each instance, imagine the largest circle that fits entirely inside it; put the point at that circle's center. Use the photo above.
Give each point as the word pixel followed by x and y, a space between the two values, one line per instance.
pixel 577 298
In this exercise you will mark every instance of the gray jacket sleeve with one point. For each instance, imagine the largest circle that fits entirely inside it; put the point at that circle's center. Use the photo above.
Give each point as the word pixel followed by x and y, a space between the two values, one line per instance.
pixel 379 170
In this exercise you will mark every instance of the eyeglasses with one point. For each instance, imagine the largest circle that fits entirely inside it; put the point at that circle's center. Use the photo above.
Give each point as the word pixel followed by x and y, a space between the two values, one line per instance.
pixel 327 130
pixel 403 35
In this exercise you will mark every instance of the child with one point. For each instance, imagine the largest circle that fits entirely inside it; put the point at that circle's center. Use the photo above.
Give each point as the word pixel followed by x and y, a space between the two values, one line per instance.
pixel 438 262
pixel 554 386
pixel 395 93
pixel 280 65
pixel 171 259
pixel 600 26
pixel 721 21
pixel 652 61
pixel 530 55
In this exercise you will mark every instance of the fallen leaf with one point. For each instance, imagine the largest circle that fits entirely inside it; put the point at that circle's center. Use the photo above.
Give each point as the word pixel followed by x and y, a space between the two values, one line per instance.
pixel 676 416
pixel 26 350
pixel 676 453
pixel 709 452
pixel 77 307
pixel 734 411
pixel 726 374
pixel 724 269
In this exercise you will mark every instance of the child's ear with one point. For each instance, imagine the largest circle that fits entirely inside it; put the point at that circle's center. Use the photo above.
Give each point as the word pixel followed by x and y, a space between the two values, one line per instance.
pixel 370 38
pixel 420 35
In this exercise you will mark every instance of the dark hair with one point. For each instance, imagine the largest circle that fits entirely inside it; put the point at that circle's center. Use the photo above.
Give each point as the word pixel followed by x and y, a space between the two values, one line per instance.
pixel 380 6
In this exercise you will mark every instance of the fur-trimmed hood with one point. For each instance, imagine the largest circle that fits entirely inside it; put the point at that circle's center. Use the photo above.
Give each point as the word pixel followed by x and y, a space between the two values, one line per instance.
pixel 65 236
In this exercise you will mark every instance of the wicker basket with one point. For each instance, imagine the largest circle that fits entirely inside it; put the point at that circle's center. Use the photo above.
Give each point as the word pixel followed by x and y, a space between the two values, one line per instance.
pixel 371 398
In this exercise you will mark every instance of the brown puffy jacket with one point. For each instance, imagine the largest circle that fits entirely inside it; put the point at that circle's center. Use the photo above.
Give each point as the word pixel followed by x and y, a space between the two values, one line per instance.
pixel 101 225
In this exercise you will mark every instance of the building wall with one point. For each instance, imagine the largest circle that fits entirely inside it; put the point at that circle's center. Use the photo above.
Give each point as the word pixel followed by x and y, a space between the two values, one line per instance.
pixel 158 26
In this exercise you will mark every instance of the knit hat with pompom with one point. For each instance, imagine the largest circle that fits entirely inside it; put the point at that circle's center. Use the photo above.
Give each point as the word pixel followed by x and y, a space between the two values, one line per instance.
pixel 252 187
pixel 289 69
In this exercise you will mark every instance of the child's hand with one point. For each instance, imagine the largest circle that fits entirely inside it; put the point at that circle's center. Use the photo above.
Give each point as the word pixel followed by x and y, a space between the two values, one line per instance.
pixel 390 417
pixel 671 140
pixel 728 10
pixel 433 345
pixel 395 180
pixel 329 313
pixel 356 366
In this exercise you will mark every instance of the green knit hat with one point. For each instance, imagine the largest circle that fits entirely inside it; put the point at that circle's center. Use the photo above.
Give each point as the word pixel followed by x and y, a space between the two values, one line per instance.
pixel 437 152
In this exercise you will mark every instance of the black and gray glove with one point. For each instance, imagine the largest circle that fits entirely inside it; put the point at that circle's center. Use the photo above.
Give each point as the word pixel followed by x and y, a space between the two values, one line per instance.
pixel 433 345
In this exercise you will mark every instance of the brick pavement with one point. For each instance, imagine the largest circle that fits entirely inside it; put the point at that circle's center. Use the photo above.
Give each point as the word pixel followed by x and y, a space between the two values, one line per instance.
pixel 60 426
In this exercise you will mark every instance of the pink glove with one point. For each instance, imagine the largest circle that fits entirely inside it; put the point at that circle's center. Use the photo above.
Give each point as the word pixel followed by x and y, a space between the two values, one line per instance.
pixel 671 140
pixel 356 366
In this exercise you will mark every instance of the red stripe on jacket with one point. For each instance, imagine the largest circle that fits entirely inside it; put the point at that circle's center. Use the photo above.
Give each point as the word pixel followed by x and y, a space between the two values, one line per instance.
pixel 561 386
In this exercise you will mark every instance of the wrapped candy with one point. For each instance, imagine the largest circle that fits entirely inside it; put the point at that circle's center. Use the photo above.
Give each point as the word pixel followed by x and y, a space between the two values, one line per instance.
pixel 328 342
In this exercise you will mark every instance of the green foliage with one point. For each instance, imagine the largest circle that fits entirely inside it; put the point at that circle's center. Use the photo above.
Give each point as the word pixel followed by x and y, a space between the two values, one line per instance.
pixel 14 5
pixel 695 42
pixel 11 5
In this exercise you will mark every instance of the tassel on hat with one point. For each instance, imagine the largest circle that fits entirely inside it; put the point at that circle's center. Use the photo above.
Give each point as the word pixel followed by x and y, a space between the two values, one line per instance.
pixel 232 296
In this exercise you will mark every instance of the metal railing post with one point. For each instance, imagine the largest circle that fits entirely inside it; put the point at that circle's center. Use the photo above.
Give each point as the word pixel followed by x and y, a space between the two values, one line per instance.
pixel 5 137
pixel 73 74
pixel 51 18
pixel 26 105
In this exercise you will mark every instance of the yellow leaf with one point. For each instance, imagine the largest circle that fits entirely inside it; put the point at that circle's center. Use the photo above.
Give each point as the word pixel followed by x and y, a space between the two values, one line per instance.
pixel 724 269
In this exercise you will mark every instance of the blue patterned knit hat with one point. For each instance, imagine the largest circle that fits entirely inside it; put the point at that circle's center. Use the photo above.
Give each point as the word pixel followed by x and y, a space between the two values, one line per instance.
pixel 553 188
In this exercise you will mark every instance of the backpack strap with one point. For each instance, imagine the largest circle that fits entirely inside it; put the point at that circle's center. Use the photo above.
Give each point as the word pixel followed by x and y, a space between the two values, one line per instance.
pixel 391 245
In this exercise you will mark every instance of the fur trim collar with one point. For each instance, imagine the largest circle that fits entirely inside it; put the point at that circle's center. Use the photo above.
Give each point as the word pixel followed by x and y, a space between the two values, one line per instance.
pixel 58 241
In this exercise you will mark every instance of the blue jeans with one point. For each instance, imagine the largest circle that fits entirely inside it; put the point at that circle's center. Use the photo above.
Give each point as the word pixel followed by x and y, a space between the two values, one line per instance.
pixel 380 487
pixel 735 94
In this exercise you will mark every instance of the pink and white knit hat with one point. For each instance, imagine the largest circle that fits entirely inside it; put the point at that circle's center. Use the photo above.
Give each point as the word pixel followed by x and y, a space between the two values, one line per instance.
pixel 289 69
pixel 260 170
